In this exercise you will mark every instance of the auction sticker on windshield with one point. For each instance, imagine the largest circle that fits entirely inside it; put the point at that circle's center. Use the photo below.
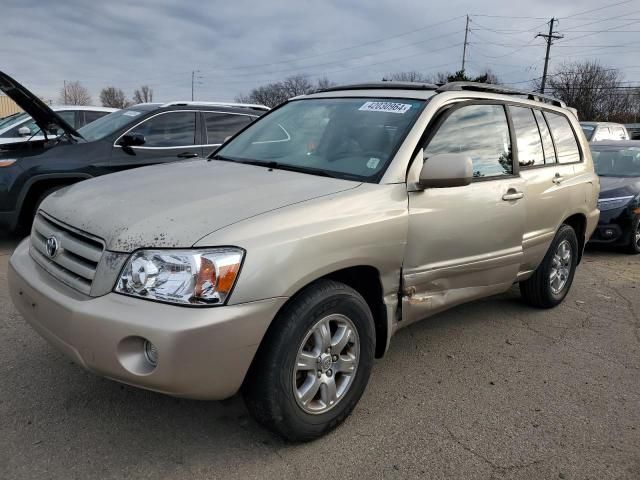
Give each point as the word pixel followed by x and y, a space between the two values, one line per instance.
pixel 388 107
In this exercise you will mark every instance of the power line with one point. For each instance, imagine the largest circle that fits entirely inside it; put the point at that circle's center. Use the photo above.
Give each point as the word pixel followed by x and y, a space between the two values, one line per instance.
pixel 294 69
pixel 298 59
pixel 597 9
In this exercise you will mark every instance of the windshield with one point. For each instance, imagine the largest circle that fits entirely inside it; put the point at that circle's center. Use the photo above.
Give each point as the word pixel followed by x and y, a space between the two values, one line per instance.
pixel 11 119
pixel 108 124
pixel 588 131
pixel 351 138
pixel 616 161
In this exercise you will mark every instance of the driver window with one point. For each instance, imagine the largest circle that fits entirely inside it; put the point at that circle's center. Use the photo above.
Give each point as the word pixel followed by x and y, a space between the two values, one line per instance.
pixel 175 129
pixel 480 131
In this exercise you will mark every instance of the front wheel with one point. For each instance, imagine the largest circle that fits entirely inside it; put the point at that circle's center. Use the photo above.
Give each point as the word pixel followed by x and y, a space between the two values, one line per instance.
pixel 634 241
pixel 314 363
pixel 552 280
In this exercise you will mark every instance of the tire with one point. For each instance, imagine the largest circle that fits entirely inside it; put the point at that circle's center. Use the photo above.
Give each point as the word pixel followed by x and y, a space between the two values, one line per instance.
pixel 272 389
pixel 539 290
pixel 634 242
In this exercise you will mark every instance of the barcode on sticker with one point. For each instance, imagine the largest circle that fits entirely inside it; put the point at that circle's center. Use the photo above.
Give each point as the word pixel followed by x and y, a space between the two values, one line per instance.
pixel 388 107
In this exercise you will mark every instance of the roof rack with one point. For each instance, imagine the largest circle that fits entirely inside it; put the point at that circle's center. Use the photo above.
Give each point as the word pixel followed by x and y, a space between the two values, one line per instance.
pixel 451 87
pixel 252 106
pixel 501 89
pixel 384 85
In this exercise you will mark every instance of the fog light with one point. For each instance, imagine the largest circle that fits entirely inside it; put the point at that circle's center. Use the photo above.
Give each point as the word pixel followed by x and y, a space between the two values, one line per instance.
pixel 151 353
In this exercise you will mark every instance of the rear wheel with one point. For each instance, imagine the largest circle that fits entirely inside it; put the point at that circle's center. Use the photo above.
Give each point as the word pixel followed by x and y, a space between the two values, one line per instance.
pixel 553 278
pixel 314 364
pixel 634 242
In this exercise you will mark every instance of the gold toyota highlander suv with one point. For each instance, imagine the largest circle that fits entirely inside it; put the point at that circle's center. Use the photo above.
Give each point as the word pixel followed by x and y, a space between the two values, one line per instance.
pixel 284 263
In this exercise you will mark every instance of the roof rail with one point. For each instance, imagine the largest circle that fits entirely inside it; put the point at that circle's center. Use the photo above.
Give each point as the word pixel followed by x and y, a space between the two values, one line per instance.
pixel 501 89
pixel 383 85
pixel 253 106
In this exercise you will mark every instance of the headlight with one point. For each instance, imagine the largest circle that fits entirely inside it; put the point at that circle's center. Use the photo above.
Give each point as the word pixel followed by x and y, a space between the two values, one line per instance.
pixel 185 277
pixel 605 204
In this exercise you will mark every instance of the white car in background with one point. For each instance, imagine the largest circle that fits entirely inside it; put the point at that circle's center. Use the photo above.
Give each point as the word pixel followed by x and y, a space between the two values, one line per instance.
pixel 20 127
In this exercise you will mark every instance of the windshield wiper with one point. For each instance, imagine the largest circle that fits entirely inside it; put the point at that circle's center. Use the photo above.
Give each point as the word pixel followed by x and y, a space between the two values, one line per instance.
pixel 284 166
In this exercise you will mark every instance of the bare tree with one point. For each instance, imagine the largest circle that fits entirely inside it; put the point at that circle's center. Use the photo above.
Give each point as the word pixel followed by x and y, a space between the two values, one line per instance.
pixel 487 76
pixel 324 83
pixel 113 97
pixel 144 94
pixel 598 93
pixel 411 76
pixel 275 93
pixel 73 93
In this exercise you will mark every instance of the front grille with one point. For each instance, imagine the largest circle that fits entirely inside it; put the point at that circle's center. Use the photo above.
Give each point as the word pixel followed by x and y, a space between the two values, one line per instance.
pixel 77 256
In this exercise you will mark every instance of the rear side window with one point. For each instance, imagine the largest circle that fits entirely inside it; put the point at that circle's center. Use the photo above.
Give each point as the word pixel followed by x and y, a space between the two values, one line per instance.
pixel 480 131
pixel 90 116
pixel 563 137
pixel 530 151
pixel 619 133
pixel 174 129
pixel 223 125
pixel 545 134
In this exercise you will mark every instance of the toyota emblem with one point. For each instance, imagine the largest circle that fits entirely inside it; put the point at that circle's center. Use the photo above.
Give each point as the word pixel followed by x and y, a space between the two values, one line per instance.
pixel 52 246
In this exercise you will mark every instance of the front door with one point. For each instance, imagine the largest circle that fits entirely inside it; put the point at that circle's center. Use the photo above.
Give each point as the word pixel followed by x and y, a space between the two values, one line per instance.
pixel 465 242
pixel 168 137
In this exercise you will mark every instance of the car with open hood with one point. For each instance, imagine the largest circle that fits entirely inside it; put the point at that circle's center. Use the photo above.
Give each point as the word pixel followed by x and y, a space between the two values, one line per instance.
pixel 284 263
pixel 618 166
pixel 144 134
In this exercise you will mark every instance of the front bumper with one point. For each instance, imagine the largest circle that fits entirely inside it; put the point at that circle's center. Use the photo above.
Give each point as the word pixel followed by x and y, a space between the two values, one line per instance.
pixel 204 353
pixel 614 227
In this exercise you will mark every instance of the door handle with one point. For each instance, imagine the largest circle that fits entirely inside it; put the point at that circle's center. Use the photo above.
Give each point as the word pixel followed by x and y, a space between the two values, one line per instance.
pixel 558 179
pixel 512 194
pixel 187 155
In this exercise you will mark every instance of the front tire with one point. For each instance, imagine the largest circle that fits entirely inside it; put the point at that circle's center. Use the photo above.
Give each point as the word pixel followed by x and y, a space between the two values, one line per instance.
pixel 634 242
pixel 314 364
pixel 551 281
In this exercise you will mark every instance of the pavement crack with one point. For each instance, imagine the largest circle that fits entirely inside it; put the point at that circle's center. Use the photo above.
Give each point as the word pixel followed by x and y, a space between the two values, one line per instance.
pixel 493 465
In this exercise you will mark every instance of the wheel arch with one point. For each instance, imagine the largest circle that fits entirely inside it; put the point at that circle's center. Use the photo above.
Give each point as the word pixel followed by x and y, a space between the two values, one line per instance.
pixel 366 280
pixel 578 221
pixel 37 185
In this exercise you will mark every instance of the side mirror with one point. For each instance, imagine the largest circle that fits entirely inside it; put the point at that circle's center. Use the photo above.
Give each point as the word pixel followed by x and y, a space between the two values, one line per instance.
pixel 446 170
pixel 24 131
pixel 132 140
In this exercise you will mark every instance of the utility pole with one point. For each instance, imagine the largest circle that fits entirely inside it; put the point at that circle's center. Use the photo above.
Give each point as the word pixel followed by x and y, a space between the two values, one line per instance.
pixel 195 77
pixel 550 37
pixel 64 89
pixel 464 48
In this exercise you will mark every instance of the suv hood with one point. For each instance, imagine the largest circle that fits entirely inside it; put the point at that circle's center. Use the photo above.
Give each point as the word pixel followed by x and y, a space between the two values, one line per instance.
pixel 611 187
pixel 41 113
pixel 175 205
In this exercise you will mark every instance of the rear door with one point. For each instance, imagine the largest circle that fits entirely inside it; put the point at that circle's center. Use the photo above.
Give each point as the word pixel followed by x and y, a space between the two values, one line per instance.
pixel 221 125
pixel 169 137
pixel 465 242
pixel 547 153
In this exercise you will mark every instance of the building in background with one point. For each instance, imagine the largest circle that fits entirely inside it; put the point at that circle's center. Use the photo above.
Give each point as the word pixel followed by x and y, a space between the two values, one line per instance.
pixel 8 106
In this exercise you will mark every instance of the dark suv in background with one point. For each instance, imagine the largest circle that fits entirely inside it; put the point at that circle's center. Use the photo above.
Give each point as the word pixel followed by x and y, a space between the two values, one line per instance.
pixel 144 134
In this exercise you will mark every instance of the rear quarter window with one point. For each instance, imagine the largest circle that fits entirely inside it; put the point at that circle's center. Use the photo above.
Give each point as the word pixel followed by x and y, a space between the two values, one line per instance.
pixel 567 149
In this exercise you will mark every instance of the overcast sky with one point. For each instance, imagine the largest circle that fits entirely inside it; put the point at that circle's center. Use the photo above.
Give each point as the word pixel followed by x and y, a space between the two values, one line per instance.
pixel 236 45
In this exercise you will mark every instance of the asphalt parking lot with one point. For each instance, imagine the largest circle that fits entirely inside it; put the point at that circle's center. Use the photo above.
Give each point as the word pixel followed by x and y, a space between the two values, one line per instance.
pixel 492 389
